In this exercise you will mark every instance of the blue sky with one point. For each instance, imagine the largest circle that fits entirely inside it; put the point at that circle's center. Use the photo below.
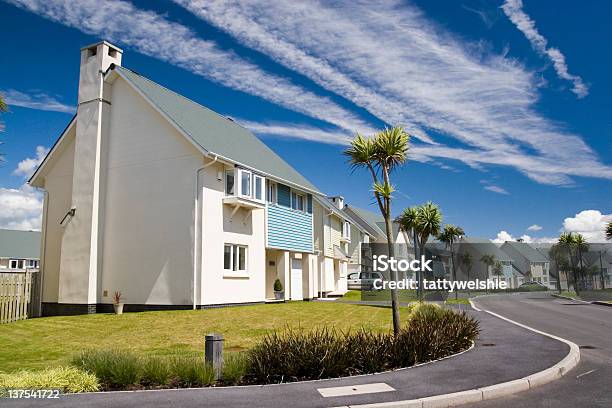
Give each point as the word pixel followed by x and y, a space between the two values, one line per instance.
pixel 507 101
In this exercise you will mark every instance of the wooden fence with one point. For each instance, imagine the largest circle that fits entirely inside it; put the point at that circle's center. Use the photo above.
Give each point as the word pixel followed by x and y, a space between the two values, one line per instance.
pixel 15 296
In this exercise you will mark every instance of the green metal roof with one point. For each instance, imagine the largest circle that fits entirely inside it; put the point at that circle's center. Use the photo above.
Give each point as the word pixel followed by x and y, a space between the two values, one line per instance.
pixel 216 134
pixel 19 244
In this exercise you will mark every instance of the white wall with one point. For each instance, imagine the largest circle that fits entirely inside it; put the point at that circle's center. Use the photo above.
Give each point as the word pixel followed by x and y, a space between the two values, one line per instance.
pixel 58 184
pixel 149 205
pixel 246 227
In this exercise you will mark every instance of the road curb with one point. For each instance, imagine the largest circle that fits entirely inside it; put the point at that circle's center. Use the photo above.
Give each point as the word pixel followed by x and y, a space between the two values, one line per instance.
pixel 497 390
pixel 600 303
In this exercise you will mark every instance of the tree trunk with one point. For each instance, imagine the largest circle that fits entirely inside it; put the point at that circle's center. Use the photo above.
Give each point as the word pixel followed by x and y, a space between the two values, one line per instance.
pixel 453 270
pixel 391 250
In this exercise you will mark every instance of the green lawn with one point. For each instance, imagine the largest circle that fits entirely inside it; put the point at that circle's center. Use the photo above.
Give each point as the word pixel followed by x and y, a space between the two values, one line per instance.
pixel 378 295
pixel 52 341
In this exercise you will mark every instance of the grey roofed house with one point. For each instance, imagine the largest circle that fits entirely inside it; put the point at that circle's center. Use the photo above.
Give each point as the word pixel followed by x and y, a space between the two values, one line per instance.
pixel 342 213
pixel 368 220
pixel 19 244
pixel 203 126
pixel 477 248
pixel 523 254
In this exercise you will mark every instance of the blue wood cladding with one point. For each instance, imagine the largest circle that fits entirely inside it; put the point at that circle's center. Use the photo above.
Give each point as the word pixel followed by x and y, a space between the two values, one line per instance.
pixel 289 229
pixel 283 195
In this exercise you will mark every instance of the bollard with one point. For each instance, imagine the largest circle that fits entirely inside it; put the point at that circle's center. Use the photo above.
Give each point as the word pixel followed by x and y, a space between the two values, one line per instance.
pixel 213 353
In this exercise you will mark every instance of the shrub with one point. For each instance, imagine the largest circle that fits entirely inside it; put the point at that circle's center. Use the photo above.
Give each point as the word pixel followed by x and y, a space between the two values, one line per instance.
pixel 192 372
pixel 234 368
pixel 67 379
pixel 116 369
pixel 278 286
pixel 155 372
pixel 432 333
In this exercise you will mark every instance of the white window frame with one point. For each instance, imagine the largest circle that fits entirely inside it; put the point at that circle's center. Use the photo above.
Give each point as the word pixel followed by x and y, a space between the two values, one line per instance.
pixel 262 184
pixel 240 173
pixel 272 192
pixel 346 230
pixel 227 173
pixel 304 204
pixel 16 263
pixel 234 254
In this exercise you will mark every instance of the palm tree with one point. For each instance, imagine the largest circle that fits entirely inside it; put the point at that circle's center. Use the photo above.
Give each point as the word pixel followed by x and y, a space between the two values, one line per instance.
pixel 567 241
pixel 468 261
pixel 449 235
pixel 609 231
pixel 582 246
pixel 381 154
pixel 407 224
pixel 428 222
pixel 557 254
pixel 489 261
pixel 498 269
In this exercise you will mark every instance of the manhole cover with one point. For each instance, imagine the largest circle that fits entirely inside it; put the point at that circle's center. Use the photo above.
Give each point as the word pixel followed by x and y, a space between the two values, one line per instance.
pixel 587 347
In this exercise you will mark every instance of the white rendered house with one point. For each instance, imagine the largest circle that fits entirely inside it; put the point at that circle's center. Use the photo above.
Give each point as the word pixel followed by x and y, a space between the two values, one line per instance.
pixel 156 196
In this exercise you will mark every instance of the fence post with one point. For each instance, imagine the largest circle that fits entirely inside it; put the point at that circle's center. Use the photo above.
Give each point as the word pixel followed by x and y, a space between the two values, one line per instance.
pixel 213 353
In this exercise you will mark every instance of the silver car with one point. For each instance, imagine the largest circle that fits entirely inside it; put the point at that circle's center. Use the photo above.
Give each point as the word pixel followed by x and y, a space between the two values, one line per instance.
pixel 362 280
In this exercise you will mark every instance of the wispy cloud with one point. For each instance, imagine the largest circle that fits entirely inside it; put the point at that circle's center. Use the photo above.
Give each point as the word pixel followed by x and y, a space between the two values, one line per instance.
pixel 156 36
pixel 20 208
pixel 35 100
pixel 495 189
pixel 27 166
pixel 516 14
pixel 408 70
pixel 534 227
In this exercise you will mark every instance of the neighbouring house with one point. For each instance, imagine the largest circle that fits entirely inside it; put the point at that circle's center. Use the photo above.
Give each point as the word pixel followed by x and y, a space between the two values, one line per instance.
pixel 598 266
pixel 477 248
pixel 529 262
pixel 156 196
pixel 338 240
pixel 19 250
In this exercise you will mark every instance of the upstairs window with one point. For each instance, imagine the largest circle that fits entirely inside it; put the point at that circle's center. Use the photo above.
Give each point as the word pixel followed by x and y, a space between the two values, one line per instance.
pixel 229 182
pixel 271 194
pixel 346 230
pixel 16 263
pixel 258 185
pixel 297 201
pixel 244 183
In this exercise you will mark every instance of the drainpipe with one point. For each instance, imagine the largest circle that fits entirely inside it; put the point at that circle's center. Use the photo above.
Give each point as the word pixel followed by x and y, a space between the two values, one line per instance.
pixel 196 227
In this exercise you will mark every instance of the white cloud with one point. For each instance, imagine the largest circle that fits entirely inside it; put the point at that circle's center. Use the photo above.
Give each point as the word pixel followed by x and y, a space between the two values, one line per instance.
pixel 495 189
pixel 503 236
pixel 516 14
pixel 27 166
pixel 412 72
pixel 35 100
pixel 20 208
pixel 590 223
pixel 534 227
pixel 153 35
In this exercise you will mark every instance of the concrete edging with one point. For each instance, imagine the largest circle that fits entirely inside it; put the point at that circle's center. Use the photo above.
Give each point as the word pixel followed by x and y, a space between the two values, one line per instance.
pixel 497 390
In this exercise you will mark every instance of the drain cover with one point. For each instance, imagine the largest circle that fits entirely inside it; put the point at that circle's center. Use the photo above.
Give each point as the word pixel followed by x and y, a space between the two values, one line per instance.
pixel 587 347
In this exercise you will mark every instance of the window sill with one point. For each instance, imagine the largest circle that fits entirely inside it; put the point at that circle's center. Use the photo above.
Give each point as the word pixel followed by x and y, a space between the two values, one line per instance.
pixel 235 275
pixel 243 202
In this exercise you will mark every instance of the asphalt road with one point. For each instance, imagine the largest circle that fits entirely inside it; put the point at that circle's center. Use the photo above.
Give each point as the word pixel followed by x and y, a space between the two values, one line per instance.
pixel 589 326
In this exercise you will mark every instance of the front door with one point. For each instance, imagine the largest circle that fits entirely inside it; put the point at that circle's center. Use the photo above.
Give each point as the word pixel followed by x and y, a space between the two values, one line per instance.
pixel 296 279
